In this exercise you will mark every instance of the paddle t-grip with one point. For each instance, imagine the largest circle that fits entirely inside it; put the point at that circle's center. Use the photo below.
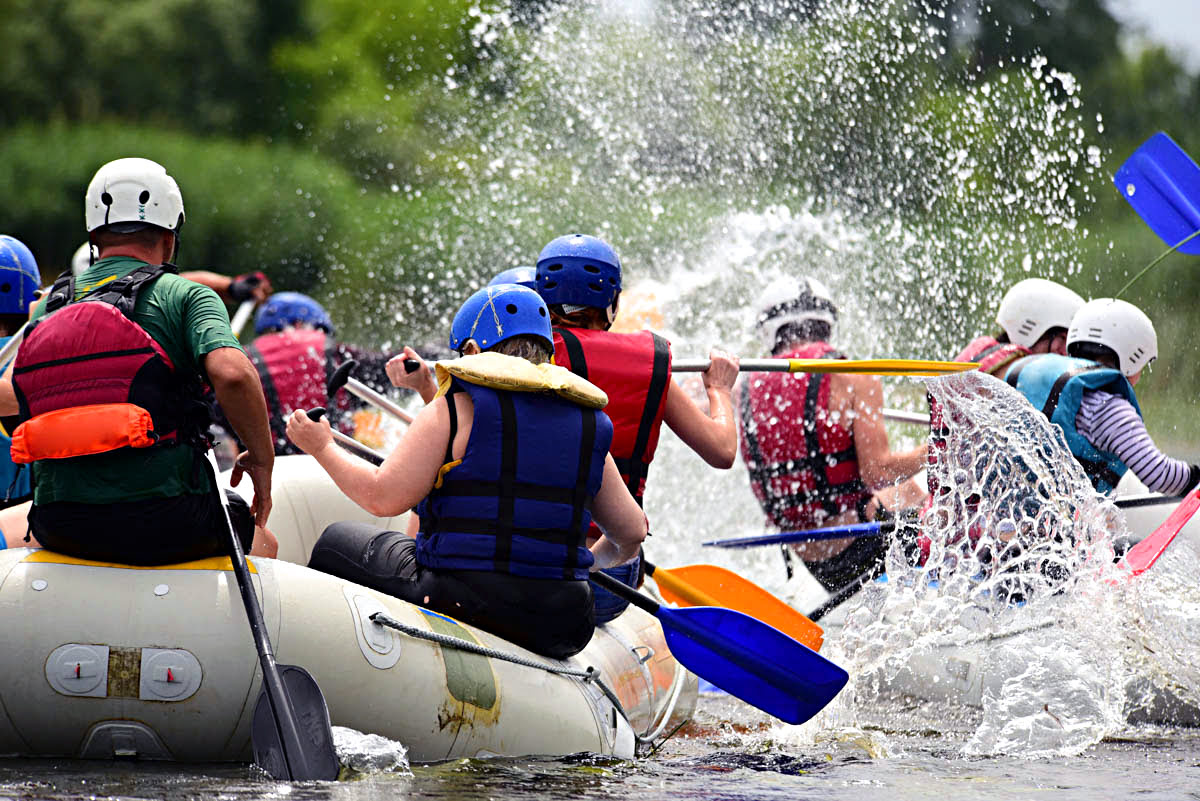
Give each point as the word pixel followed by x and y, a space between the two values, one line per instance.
pixel 340 376
pixel 411 365
pixel 316 413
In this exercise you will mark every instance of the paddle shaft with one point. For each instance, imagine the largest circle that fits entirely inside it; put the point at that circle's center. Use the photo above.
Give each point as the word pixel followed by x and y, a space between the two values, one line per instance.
pixel 812 535
pixel 918 367
pixel 281 707
pixel 689 592
pixel 361 390
pixel 901 416
pixel 840 597
pixel 349 443
pixel 241 317
pixel 10 347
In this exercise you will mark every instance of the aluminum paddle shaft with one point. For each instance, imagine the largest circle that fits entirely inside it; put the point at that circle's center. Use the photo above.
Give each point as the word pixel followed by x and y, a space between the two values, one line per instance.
pixel 917 367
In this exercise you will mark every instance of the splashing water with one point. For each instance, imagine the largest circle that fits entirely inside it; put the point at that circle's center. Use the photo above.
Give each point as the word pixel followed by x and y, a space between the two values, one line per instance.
pixel 1018 607
pixel 368 754
pixel 664 125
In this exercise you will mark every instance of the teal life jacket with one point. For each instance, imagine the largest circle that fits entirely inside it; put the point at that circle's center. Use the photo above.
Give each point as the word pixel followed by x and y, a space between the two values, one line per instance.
pixel 1055 385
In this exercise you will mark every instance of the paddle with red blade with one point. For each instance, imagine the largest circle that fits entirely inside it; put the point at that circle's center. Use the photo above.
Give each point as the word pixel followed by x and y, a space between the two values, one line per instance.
pixel 1142 556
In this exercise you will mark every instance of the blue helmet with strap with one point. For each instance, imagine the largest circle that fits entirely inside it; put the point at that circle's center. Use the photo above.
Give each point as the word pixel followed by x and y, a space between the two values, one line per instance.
pixel 20 278
pixel 291 308
pixel 579 270
pixel 498 312
pixel 524 275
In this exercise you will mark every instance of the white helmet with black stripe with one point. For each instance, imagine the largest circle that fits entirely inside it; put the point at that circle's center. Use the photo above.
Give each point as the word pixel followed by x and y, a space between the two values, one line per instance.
pixel 1119 326
pixel 126 195
pixel 790 300
pixel 1034 306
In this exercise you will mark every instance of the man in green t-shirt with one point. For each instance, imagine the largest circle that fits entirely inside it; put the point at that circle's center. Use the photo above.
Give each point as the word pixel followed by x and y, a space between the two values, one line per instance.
pixel 152 505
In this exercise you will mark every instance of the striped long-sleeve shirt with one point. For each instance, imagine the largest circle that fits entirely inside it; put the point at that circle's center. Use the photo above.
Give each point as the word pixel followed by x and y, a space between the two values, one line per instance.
pixel 1112 424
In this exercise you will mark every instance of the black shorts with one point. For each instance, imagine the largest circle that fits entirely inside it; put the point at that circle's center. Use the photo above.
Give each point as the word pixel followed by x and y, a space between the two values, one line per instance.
pixel 863 557
pixel 156 531
pixel 554 618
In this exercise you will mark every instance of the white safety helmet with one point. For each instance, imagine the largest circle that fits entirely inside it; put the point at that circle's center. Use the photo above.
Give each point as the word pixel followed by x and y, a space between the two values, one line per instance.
pixel 1034 306
pixel 790 300
pixel 127 194
pixel 1122 327
pixel 83 258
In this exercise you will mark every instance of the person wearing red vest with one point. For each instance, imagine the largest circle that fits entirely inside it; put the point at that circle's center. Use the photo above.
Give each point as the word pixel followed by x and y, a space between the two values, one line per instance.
pixel 815 444
pixel 579 277
pixel 295 353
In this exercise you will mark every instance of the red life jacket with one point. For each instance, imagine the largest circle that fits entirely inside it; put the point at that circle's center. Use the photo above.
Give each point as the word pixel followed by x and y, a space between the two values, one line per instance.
pixel 294 367
pixel 88 379
pixel 992 356
pixel 634 370
pixel 803 465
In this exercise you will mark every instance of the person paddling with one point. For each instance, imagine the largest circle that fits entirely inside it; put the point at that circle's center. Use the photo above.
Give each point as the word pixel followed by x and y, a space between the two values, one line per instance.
pixel 295 353
pixel 815 444
pixel 506 468
pixel 113 423
pixel 1089 395
pixel 20 281
pixel 579 277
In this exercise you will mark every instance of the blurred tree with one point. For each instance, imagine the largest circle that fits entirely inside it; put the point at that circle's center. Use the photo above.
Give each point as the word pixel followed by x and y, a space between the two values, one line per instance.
pixel 364 87
pixel 200 65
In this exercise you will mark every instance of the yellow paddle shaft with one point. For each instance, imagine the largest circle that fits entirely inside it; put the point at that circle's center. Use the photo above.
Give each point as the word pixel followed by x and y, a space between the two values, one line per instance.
pixel 688 592
pixel 919 367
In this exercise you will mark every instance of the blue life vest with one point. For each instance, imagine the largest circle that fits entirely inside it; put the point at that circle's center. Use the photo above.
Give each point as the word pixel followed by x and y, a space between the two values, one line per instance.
pixel 520 500
pixel 1055 384
pixel 22 489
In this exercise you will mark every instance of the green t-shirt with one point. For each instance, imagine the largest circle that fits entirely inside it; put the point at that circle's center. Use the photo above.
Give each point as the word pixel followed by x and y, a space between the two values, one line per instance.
pixel 188 320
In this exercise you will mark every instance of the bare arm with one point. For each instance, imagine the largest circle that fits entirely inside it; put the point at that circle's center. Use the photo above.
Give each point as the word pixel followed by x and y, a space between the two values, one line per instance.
pixel 8 398
pixel 712 435
pixel 878 465
pixel 223 285
pixel 621 518
pixel 235 383
pixel 404 478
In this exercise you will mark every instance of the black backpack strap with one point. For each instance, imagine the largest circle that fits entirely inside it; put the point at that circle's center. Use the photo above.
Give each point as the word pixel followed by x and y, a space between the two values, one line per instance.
pixel 124 291
pixel 61 292
pixel 574 352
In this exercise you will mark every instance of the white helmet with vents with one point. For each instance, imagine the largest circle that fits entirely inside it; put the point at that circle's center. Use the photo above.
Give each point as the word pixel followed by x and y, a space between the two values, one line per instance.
pixel 85 254
pixel 791 300
pixel 1034 306
pixel 1122 327
pixel 128 194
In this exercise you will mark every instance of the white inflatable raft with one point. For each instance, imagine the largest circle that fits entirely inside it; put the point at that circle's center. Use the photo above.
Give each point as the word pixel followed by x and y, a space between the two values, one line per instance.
pixel 106 660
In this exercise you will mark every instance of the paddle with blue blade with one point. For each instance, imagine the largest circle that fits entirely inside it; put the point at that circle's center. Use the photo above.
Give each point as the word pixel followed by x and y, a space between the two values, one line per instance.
pixel 811 535
pixel 1162 184
pixel 743 656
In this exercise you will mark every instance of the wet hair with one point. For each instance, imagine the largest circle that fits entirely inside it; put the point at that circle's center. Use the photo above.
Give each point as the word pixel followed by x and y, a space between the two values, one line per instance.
pixel 525 346
pixel 589 317
pixel 804 331
pixel 1095 352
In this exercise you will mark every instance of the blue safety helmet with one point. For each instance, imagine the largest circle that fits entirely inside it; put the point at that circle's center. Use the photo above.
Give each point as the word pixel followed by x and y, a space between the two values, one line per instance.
pixel 291 308
pixel 20 278
pixel 498 312
pixel 524 275
pixel 579 270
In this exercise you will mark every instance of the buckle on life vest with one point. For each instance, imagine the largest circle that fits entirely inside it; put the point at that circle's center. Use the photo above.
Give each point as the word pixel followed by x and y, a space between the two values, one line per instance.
pixel 83 431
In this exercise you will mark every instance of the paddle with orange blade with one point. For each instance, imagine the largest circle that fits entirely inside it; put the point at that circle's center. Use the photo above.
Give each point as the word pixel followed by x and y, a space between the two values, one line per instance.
pixel 1142 556
pixel 709 585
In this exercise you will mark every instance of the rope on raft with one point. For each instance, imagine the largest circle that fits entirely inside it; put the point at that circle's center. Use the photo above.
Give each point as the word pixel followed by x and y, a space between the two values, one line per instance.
pixel 591 675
